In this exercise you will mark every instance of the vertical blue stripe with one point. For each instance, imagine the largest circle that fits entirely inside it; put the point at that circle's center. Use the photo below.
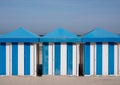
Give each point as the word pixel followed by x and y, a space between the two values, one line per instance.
pixel 14 58
pixel 57 58
pixel 111 59
pixel 69 58
pixel 26 58
pixel 45 59
pixel 3 59
pixel 0 59
pixel 99 58
pixel 87 58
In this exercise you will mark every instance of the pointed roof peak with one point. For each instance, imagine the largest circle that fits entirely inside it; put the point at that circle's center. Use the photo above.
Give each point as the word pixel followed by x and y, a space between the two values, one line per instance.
pixel 98 28
pixel 20 35
pixel 59 35
pixel 60 28
pixel 21 29
pixel 99 34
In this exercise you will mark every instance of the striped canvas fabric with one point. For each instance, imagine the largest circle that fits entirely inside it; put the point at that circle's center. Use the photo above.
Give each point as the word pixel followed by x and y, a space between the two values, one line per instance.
pixel 60 59
pixel 2 58
pixel 17 59
pixel 101 58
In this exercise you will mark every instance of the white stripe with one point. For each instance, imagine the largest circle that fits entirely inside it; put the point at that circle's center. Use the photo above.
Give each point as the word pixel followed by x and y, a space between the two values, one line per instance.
pixel 74 58
pixel 10 60
pixel 35 59
pixel 20 58
pixel 63 59
pixel 105 58
pixel 40 53
pixel 53 68
pixel 50 59
pixel 119 58
pixel 32 52
pixel 95 60
pixel 92 55
pixel 77 58
pixel 115 59
pixel 7 58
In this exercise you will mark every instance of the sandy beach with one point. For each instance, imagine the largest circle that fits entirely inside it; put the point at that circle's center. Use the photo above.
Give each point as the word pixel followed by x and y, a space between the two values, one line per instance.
pixel 60 80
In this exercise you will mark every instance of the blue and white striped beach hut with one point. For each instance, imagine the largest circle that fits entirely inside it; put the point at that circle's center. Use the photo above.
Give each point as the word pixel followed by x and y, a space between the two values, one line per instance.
pixel 101 53
pixel 18 53
pixel 60 53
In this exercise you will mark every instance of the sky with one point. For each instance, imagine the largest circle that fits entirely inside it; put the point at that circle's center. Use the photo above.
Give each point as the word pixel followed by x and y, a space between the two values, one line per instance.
pixel 43 16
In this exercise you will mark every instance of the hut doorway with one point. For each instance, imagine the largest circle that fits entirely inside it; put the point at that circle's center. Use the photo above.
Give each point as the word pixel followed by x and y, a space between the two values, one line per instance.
pixel 39 59
pixel 81 60
pixel 21 59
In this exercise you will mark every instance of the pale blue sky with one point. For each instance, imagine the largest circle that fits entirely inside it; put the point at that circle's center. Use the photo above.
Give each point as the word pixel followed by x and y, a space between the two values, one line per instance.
pixel 43 16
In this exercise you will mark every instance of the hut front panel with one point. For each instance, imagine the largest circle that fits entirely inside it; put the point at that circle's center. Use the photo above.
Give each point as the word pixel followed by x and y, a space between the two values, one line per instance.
pixel 100 59
pixel 61 59
pixel 22 59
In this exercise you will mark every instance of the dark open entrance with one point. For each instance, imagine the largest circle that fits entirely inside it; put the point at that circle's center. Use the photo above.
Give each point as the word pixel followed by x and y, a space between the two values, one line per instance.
pixel 39 60
pixel 81 60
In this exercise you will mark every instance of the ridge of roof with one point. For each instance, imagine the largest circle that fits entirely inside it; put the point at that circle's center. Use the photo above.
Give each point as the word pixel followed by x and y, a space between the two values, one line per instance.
pixel 60 33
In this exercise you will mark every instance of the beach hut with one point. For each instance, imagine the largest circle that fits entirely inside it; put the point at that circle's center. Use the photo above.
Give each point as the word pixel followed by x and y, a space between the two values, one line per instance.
pixel 60 53
pixel 101 53
pixel 18 55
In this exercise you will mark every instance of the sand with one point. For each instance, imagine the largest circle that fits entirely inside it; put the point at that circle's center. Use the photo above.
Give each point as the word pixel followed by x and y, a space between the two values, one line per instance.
pixel 60 80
